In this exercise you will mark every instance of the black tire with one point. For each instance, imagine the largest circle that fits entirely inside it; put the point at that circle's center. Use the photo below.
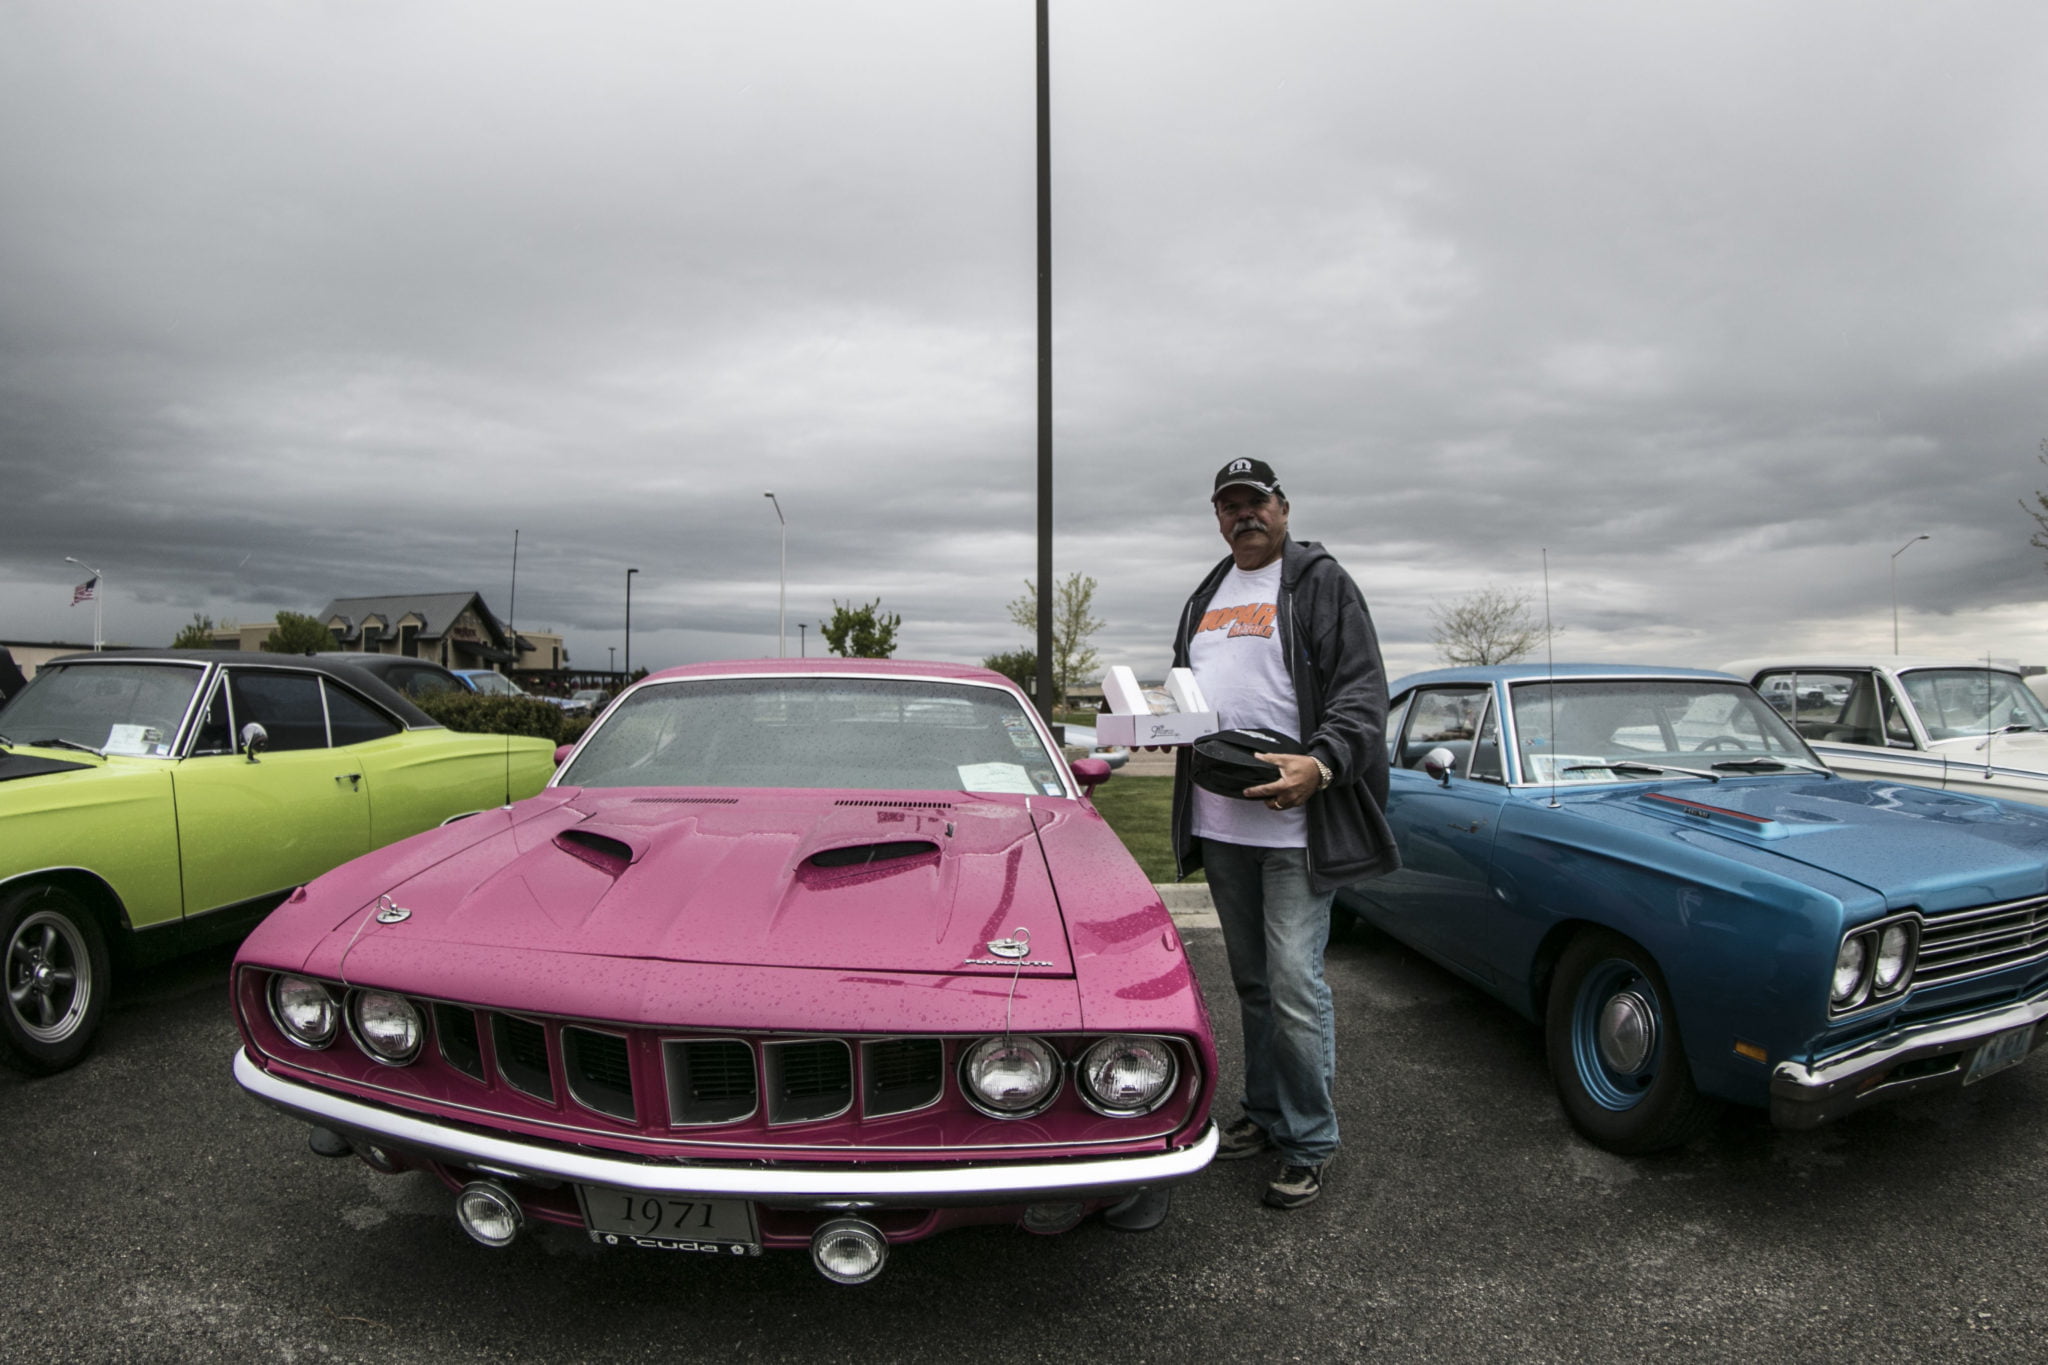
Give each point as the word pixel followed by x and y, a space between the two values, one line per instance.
pixel 54 976
pixel 1615 1051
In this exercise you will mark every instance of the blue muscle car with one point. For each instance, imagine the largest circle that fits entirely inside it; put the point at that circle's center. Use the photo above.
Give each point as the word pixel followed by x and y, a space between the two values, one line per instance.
pixel 1655 866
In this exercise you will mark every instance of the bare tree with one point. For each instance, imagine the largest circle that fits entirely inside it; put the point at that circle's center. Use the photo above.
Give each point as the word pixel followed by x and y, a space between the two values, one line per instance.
pixel 2038 509
pixel 1073 660
pixel 1491 626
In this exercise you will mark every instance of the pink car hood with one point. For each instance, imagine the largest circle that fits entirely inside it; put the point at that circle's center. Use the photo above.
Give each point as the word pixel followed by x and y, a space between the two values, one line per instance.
pixel 781 878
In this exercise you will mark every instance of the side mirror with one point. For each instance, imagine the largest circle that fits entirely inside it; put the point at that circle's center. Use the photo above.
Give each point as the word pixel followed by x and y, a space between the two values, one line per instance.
pixel 255 739
pixel 1438 763
pixel 1091 773
pixel 562 752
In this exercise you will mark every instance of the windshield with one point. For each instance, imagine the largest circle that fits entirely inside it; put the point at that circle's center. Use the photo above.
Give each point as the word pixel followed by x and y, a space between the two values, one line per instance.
pixel 870 734
pixel 1607 731
pixel 1957 702
pixel 493 684
pixel 113 708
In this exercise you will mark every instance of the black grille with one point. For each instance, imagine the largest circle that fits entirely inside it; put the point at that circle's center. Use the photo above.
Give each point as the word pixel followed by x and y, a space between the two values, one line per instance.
pixel 1973 942
pixel 600 1071
pixel 901 1074
pixel 461 1048
pixel 809 1080
pixel 523 1055
pixel 711 1081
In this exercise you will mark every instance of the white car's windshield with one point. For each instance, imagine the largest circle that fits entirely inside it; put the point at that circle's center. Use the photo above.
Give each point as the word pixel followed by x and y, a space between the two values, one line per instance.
pixel 1956 702
pixel 877 734
pixel 109 708
pixel 1615 730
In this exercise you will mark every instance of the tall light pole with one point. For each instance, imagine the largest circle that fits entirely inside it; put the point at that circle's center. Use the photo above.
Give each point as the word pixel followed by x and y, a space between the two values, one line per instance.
pixel 613 650
pixel 99 592
pixel 1043 678
pixel 1895 587
pixel 781 584
pixel 629 623
pixel 801 652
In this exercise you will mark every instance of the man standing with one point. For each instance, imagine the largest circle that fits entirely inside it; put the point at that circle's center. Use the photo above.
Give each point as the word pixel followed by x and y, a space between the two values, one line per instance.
pixel 1279 639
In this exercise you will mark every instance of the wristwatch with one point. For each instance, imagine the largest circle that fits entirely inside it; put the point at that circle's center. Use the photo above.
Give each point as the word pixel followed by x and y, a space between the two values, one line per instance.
pixel 1324 769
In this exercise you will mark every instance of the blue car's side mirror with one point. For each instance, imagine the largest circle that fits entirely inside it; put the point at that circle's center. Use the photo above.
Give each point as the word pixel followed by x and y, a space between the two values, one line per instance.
pixel 1438 763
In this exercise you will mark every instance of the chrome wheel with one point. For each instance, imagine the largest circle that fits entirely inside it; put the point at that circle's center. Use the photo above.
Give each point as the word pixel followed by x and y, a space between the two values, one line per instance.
pixel 53 979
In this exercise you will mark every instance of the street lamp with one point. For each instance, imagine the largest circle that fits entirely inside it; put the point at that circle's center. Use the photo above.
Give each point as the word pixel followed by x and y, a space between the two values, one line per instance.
pixel 99 592
pixel 1895 587
pixel 801 652
pixel 613 650
pixel 629 623
pixel 782 584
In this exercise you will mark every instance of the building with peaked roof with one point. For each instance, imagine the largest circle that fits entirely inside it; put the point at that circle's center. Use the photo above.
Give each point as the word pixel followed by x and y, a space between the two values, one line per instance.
pixel 453 629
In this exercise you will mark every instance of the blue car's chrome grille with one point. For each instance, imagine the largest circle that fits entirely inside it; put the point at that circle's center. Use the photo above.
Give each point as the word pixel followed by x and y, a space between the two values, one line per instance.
pixel 1970 943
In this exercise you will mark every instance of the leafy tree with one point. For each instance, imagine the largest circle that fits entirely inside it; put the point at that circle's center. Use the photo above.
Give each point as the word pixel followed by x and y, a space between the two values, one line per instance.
pixel 864 632
pixel 1491 626
pixel 1020 666
pixel 198 635
pixel 296 633
pixel 1073 659
pixel 2038 509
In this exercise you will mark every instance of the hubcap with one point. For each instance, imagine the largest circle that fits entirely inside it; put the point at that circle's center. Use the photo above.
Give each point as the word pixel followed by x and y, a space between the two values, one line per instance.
pixel 1627 1034
pixel 48 977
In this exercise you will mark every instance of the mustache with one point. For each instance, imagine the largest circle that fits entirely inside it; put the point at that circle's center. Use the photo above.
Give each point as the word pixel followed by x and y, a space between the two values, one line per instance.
pixel 1248 522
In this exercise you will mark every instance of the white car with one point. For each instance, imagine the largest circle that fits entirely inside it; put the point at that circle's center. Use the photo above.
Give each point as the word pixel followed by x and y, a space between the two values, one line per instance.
pixel 1945 723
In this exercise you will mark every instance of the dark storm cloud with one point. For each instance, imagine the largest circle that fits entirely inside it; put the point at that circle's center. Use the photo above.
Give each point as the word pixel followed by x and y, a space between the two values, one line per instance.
pixel 1718 304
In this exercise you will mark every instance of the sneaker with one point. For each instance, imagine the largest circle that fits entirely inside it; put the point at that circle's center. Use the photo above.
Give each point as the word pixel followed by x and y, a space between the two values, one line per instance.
pixel 1240 1140
pixel 1294 1186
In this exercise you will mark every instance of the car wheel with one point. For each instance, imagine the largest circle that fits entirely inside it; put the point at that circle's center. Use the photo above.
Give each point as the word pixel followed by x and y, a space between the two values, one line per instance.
pixel 53 979
pixel 1615 1052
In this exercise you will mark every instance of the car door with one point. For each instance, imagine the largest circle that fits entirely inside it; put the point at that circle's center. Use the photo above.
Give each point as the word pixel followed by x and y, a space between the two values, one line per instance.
pixel 253 825
pixel 1442 898
pixel 417 779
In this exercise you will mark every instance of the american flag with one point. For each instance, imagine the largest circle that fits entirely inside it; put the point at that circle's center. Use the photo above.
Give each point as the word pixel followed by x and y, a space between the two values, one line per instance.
pixel 84 591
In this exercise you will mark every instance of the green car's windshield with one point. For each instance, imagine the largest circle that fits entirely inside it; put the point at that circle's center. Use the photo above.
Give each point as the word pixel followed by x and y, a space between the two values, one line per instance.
pixel 1611 730
pixel 109 708
pixel 1958 702
pixel 874 734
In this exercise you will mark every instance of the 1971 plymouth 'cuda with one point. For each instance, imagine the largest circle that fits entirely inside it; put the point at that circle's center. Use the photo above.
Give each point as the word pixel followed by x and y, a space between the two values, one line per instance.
pixel 832 955
pixel 155 802
pixel 1656 867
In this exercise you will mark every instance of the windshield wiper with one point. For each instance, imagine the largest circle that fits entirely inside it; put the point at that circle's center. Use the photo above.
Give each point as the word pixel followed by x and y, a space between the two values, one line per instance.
pixel 1629 766
pixel 1769 765
pixel 68 744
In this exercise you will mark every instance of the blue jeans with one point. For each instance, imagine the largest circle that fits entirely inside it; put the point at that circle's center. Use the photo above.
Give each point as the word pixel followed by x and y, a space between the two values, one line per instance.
pixel 1274 929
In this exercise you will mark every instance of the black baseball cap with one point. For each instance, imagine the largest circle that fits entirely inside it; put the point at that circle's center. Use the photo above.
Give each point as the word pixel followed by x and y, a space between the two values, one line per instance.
pixel 1223 762
pixel 1249 472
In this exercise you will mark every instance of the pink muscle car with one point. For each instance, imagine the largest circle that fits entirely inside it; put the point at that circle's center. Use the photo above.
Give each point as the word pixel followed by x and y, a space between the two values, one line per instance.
pixel 832 954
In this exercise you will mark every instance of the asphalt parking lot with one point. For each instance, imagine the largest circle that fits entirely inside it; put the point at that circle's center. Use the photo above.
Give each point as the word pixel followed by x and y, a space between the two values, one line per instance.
pixel 154 1214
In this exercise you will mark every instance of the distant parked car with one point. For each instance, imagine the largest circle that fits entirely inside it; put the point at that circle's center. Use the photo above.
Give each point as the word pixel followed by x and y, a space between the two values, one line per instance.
pixel 1655 866
pixel 157 801
pixel 826 955
pixel 1945 723
pixel 1083 737
pixel 489 682
pixel 415 677
pixel 590 699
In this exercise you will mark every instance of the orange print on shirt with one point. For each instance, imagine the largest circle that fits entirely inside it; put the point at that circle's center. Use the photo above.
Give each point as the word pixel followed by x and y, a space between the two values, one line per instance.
pixel 1253 618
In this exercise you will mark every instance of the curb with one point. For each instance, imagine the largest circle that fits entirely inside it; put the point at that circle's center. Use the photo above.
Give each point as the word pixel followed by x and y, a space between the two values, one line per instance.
pixel 1189 904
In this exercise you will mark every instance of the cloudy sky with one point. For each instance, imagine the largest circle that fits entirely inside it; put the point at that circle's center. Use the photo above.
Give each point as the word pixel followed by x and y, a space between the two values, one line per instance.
pixel 1718 303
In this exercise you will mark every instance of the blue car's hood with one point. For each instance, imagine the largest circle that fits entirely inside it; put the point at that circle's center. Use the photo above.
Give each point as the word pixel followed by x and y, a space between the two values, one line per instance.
pixel 1909 844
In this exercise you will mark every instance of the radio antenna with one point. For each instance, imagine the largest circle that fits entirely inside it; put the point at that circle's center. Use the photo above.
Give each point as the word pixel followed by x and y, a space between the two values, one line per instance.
pixel 1550 663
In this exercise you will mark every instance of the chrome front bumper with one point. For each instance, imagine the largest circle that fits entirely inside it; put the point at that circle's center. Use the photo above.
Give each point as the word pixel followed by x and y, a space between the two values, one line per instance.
pixel 993 1182
pixel 1907 1060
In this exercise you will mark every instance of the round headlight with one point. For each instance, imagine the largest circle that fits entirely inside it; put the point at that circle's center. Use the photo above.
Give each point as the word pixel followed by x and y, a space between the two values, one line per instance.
pixel 1124 1076
pixel 388 1026
pixel 1850 964
pixel 1010 1078
pixel 304 1011
pixel 1894 947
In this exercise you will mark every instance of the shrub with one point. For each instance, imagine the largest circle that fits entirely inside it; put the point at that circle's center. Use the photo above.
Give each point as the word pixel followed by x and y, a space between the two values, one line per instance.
pixel 478 714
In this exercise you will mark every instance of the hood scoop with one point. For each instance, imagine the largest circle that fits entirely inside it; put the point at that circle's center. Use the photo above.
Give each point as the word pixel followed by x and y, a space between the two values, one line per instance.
pixel 606 852
pixel 868 855
pixel 1720 818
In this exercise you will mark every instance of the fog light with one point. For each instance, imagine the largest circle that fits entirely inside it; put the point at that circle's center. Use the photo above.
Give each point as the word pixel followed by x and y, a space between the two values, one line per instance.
pixel 488 1213
pixel 1048 1219
pixel 849 1251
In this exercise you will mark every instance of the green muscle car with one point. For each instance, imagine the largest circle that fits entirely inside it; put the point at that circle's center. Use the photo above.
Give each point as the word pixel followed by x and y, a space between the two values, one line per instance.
pixel 153 802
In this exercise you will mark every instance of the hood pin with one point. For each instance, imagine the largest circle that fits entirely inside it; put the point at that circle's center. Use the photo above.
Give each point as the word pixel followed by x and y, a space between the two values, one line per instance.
pixel 391 912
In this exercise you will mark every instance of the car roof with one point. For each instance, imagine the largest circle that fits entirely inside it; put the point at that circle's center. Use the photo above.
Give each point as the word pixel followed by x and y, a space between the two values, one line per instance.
pixel 836 667
pixel 1524 672
pixel 362 680
pixel 1894 663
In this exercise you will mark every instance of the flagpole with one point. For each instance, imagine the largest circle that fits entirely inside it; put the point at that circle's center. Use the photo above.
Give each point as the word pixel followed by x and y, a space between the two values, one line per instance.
pixel 99 592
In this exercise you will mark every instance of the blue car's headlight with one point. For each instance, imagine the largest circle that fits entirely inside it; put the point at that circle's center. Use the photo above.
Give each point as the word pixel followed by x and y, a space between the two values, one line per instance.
pixel 1874 963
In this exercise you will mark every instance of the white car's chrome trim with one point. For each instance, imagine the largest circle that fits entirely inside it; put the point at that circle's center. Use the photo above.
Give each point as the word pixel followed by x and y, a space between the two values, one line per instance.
pixel 971 1180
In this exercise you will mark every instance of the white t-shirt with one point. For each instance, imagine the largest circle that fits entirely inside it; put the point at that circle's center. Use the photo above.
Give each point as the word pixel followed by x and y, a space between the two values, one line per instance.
pixel 1237 657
